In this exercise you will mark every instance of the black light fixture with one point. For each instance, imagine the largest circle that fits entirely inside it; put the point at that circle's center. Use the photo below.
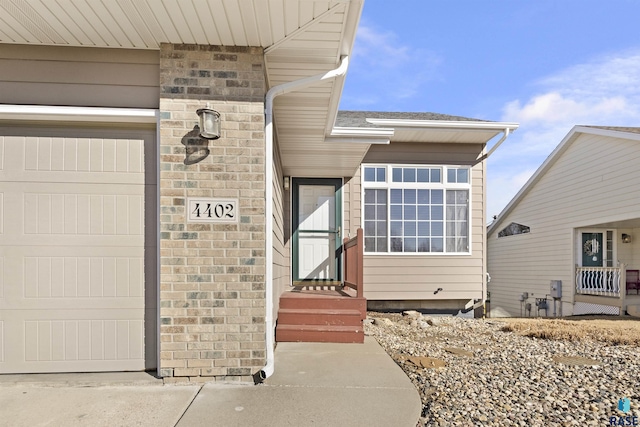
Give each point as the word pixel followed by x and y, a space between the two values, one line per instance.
pixel 209 123
pixel 626 238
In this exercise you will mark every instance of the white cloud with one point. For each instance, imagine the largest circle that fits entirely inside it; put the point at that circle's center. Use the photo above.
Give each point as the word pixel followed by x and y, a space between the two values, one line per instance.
pixel 379 55
pixel 604 91
pixel 551 108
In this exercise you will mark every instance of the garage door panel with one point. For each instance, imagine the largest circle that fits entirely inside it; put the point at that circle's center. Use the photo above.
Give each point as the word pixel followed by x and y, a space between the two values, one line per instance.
pixel 72 277
pixel 72 209
pixel 110 214
pixel 76 154
pixel 1 342
pixel 1 214
pixel 78 257
pixel 116 337
pixel 63 277
pixel 60 177
pixel 58 159
pixel 2 275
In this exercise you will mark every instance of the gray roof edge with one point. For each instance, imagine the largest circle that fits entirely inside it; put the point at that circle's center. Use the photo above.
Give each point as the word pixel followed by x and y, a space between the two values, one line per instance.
pixel 351 118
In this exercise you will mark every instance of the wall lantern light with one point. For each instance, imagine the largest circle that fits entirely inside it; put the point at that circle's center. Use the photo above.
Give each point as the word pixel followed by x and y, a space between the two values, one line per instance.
pixel 626 238
pixel 209 123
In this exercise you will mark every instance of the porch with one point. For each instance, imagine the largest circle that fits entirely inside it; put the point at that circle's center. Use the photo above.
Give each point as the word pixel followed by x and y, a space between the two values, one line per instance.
pixel 607 267
pixel 607 286
pixel 322 311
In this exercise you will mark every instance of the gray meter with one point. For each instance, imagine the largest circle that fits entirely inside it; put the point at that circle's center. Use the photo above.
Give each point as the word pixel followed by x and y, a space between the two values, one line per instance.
pixel 556 289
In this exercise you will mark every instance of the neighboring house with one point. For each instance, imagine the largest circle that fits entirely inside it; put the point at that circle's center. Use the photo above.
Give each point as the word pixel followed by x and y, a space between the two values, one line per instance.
pixel 131 242
pixel 575 221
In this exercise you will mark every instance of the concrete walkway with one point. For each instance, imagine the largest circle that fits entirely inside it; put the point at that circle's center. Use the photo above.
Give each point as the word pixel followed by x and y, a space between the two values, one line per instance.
pixel 314 384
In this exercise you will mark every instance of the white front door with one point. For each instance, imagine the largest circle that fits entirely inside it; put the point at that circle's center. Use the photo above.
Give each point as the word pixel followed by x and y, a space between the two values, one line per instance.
pixel 317 232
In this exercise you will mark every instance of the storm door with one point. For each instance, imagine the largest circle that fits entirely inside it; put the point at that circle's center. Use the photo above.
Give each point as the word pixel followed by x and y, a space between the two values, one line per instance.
pixel 317 206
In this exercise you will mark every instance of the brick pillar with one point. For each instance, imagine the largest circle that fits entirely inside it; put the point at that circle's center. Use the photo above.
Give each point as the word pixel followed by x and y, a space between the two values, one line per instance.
pixel 212 275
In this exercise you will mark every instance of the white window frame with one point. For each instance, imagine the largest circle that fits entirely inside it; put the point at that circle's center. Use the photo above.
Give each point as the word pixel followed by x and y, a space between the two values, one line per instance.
pixel 388 184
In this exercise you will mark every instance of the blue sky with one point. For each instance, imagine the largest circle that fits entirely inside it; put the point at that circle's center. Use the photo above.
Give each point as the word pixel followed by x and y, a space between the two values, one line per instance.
pixel 546 64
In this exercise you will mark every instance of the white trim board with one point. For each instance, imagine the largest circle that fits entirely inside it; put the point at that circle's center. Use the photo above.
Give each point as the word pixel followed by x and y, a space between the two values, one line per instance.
pixel 78 114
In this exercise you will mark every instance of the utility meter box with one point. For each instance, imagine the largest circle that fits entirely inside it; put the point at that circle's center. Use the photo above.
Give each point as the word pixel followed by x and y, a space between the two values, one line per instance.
pixel 556 289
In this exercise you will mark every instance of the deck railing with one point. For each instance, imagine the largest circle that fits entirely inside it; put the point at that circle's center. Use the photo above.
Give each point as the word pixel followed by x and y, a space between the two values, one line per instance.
pixel 602 281
pixel 353 262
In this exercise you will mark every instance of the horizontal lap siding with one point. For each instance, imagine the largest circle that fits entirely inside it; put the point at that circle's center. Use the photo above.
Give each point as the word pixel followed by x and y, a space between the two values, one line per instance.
pixel 417 277
pixel 48 75
pixel 352 200
pixel 594 181
pixel 280 252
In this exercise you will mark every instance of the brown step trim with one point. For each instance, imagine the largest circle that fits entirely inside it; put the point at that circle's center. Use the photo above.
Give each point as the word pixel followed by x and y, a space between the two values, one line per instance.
pixel 328 303
pixel 346 317
pixel 319 333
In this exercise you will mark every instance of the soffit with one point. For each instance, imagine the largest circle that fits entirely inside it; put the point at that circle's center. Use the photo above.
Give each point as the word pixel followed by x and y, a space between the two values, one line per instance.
pixel 144 24
pixel 301 38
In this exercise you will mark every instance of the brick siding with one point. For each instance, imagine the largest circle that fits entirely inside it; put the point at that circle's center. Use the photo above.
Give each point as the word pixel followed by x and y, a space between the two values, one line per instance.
pixel 212 275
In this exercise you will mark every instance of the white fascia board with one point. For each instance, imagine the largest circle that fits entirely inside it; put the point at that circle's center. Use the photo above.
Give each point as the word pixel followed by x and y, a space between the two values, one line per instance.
pixel 362 132
pixel 78 114
pixel 613 133
pixel 445 124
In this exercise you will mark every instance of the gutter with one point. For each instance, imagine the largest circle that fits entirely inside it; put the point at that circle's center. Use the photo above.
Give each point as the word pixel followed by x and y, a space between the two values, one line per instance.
pixel 444 124
pixel 282 89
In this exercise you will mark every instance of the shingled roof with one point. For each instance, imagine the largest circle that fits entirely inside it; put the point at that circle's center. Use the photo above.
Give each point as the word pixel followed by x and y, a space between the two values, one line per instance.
pixel 617 128
pixel 358 118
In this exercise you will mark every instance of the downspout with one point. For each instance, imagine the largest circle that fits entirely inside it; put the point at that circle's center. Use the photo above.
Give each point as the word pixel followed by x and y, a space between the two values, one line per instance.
pixel 497 144
pixel 284 88
pixel 485 284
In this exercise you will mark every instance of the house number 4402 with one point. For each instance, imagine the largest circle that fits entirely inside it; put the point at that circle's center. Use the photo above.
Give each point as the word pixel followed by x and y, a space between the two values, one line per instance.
pixel 212 210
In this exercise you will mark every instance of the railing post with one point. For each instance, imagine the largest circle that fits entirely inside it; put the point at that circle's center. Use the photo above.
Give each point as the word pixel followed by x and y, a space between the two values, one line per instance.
pixel 360 262
pixel 623 288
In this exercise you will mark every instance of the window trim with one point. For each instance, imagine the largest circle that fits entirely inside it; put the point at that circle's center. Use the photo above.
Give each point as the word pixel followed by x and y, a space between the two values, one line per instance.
pixel 443 185
pixel 528 230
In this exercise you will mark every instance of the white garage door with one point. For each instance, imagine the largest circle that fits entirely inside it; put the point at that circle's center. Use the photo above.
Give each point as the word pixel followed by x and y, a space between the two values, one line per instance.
pixel 76 250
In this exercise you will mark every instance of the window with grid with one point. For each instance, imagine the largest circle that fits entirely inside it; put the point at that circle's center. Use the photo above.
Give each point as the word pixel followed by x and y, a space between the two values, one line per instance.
pixel 416 209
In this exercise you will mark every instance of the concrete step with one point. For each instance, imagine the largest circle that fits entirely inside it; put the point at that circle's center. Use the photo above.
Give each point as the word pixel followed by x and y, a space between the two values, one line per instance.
pixel 314 316
pixel 319 333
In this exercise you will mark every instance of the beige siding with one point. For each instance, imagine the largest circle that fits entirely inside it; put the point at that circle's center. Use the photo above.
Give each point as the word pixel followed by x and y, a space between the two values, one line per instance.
pixel 351 196
pixel 417 277
pixel 47 75
pixel 584 187
pixel 280 251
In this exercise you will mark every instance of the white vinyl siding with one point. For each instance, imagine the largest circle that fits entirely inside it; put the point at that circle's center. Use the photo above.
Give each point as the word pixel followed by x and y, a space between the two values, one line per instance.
pixel 280 233
pixel 588 184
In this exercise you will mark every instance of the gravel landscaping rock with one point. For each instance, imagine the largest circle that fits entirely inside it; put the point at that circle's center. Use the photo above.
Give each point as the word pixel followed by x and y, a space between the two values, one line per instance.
pixel 471 373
